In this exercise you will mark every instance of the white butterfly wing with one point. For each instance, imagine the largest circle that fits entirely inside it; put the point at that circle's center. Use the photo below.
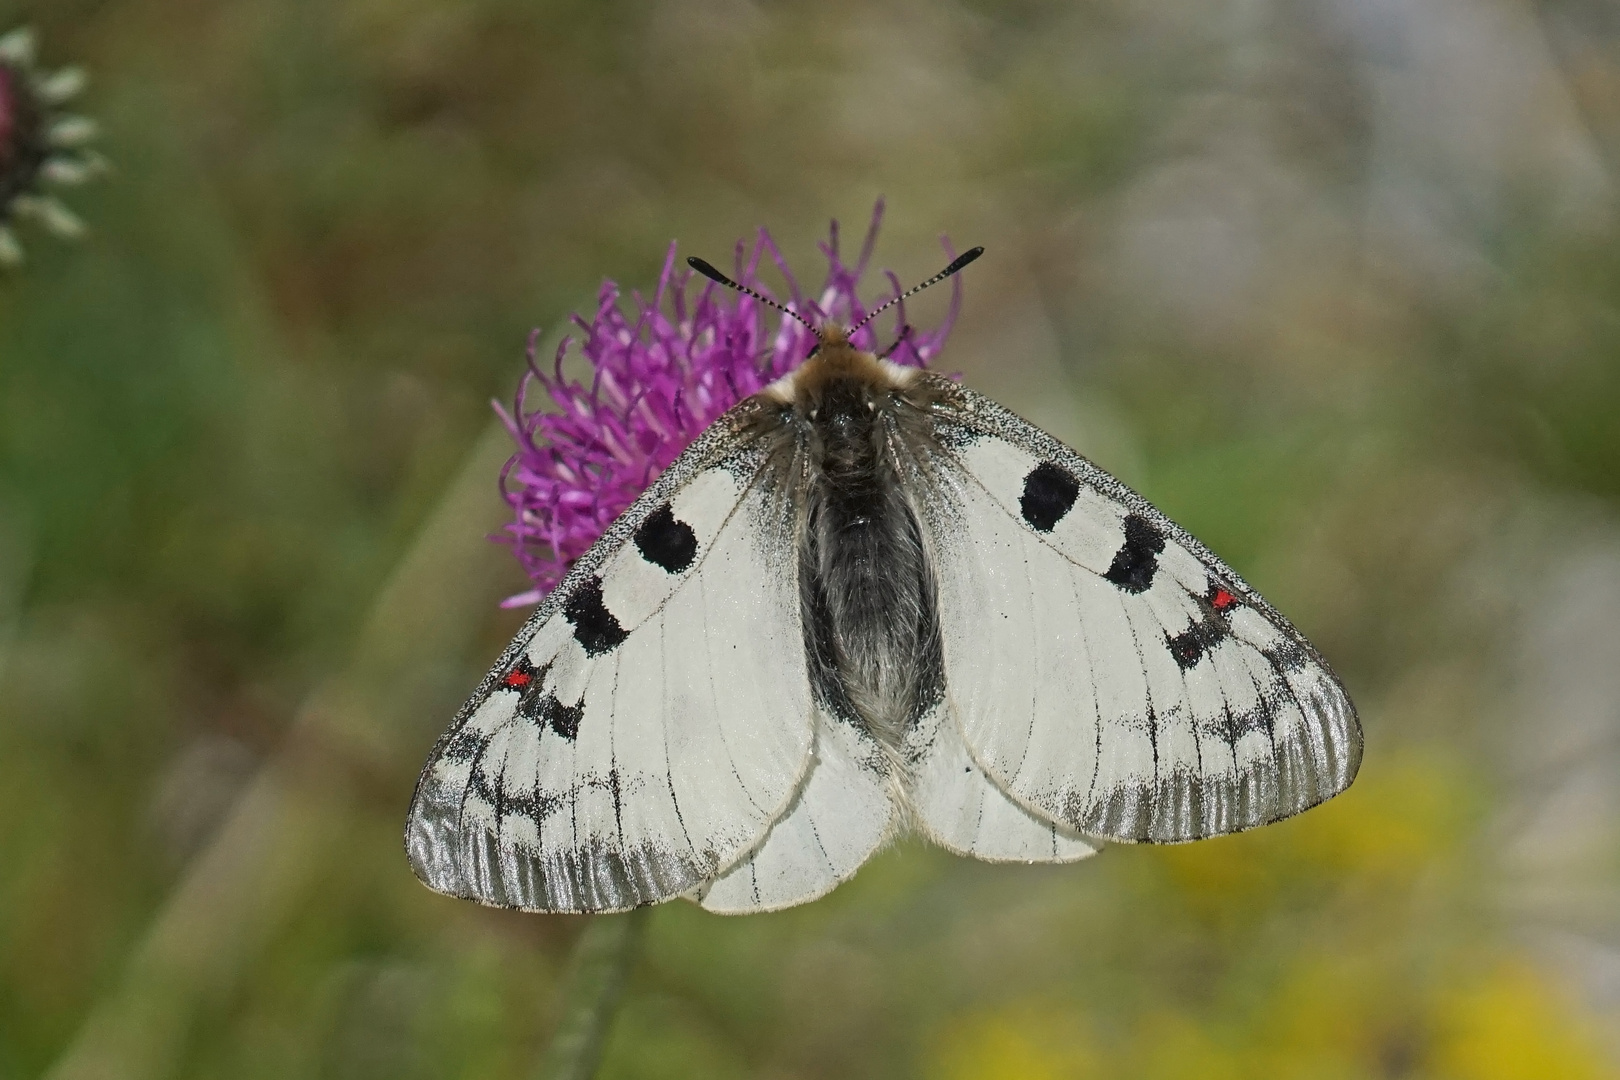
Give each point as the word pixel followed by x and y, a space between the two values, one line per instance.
pixel 842 814
pixel 649 723
pixel 1105 669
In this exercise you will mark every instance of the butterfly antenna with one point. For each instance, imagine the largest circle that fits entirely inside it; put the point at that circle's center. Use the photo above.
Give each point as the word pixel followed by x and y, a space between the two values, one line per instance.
pixel 714 275
pixel 956 264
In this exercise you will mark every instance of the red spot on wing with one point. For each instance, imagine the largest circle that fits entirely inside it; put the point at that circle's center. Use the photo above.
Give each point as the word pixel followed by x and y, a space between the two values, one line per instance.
pixel 1222 600
pixel 518 679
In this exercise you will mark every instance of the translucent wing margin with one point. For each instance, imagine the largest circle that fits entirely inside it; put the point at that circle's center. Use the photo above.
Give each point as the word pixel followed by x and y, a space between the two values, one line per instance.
pixel 648 723
pixel 1106 669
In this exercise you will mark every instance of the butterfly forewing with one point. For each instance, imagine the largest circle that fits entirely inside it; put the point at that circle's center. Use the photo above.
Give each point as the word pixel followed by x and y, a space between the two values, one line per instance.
pixel 647 725
pixel 1105 669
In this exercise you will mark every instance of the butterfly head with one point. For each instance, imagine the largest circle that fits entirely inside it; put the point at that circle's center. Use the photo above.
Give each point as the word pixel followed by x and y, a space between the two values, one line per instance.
pixel 836 360
pixel 831 337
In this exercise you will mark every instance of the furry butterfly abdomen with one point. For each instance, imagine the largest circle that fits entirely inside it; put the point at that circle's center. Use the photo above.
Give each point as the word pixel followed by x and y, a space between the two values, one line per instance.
pixel 868 600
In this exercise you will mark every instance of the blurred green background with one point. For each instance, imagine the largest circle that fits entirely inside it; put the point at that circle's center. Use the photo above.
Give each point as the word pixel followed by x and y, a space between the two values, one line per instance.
pixel 1336 283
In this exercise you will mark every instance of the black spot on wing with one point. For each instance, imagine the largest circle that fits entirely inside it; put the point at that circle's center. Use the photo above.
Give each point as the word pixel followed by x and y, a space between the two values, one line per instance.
pixel 563 719
pixel 1137 560
pixel 595 628
pixel 542 708
pixel 537 806
pixel 665 541
pixel 1209 630
pixel 1186 647
pixel 1261 717
pixel 1049 494
pixel 1189 646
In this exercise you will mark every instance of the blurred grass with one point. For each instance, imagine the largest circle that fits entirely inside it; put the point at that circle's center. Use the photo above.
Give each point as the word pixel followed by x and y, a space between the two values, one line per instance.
pixel 1335 286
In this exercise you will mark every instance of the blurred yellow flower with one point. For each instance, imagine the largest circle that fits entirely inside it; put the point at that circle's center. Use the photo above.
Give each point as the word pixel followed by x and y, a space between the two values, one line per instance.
pixel 1030 1040
pixel 1515 1025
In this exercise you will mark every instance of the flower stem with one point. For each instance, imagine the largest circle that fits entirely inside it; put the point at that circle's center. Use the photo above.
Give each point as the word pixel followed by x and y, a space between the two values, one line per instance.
pixel 602 960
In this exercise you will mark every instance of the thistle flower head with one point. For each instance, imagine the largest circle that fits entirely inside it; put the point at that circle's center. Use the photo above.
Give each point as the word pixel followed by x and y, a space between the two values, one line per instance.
pixel 662 369
pixel 41 147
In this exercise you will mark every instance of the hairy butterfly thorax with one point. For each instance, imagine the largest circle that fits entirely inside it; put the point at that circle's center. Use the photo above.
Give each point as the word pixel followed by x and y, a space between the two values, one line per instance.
pixel 853 428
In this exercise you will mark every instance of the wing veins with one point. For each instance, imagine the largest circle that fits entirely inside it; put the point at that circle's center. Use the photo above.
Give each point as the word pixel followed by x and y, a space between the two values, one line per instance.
pixel 1096 706
pixel 1271 735
pixel 500 791
pixel 1192 722
pixel 472 771
pixel 1029 586
pixel 1147 691
pixel 714 703
pixel 669 771
pixel 815 834
pixel 613 753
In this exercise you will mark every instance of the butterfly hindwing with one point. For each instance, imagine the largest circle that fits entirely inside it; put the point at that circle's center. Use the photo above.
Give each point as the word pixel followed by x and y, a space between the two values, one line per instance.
pixel 1104 668
pixel 650 721
pixel 959 807
pixel 841 814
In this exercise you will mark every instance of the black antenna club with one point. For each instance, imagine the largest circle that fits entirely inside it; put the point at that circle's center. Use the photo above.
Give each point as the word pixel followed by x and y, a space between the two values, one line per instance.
pixel 716 276
pixel 956 265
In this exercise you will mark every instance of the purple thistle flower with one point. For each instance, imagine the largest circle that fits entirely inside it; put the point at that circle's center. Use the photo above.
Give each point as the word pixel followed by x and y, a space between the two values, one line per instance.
pixel 661 374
